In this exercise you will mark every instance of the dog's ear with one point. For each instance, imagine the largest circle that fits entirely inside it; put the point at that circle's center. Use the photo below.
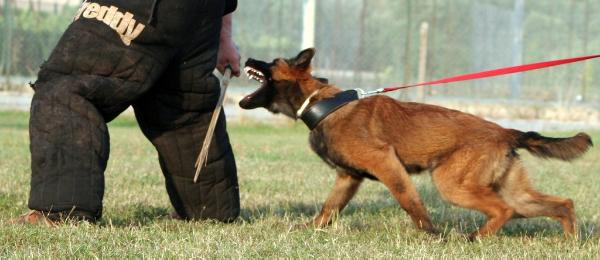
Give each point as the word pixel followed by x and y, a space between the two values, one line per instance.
pixel 302 61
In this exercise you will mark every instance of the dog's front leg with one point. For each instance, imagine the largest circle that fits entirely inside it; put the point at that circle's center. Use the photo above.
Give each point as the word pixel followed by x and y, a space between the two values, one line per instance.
pixel 343 190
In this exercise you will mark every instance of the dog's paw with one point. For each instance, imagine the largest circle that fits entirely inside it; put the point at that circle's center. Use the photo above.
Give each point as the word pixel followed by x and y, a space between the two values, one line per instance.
pixel 433 231
pixel 303 226
pixel 473 237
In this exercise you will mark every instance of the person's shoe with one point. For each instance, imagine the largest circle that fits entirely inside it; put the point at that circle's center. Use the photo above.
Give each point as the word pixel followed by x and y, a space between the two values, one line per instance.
pixel 34 217
pixel 174 215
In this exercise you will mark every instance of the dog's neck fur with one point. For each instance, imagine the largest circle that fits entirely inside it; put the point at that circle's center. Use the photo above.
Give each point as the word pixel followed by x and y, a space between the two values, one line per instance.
pixel 310 86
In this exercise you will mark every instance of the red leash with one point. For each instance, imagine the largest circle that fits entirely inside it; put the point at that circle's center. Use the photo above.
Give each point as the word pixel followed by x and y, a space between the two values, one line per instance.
pixel 489 73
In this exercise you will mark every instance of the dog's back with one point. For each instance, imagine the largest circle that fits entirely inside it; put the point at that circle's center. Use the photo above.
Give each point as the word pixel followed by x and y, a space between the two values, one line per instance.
pixel 424 134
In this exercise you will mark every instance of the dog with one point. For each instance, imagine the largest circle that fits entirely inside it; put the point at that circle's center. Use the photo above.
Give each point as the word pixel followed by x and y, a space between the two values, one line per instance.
pixel 473 162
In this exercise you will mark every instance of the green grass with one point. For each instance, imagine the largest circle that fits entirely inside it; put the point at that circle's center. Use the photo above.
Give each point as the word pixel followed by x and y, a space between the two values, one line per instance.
pixel 282 183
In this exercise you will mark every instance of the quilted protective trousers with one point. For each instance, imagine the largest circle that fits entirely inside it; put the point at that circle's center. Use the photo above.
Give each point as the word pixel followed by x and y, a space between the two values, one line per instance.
pixel 156 56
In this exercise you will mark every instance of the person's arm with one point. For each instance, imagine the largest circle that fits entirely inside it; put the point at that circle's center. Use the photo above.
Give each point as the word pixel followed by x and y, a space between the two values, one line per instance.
pixel 228 52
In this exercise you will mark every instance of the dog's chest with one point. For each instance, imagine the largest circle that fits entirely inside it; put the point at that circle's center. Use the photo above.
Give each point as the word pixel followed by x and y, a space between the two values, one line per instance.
pixel 319 145
pixel 322 145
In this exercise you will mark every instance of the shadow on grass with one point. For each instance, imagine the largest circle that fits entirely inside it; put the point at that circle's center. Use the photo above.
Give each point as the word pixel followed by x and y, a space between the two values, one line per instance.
pixel 445 217
pixel 448 217
pixel 136 215
pixel 545 227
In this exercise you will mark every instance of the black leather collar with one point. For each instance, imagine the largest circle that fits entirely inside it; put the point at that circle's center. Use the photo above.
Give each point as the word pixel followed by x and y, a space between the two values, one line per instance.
pixel 320 110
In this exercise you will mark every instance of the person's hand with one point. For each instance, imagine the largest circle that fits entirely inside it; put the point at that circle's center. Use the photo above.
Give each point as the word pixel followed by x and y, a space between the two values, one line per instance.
pixel 228 55
pixel 228 52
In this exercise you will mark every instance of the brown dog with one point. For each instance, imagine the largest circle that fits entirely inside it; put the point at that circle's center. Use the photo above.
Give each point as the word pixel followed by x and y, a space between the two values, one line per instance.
pixel 473 161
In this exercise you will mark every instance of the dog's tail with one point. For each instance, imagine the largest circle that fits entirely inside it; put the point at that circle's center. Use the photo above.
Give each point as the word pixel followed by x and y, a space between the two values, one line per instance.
pixel 547 147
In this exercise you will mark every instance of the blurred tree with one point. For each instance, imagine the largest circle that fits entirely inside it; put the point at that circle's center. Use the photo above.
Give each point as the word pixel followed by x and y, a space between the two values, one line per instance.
pixel 378 37
pixel 586 77
pixel 359 65
pixel 407 50
pixel 7 41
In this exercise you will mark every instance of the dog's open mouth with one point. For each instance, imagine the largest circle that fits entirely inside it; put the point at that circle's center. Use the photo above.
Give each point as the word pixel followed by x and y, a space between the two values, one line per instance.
pixel 260 96
pixel 255 74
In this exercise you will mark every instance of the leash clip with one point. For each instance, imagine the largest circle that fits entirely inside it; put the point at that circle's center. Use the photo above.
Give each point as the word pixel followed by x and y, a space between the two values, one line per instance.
pixel 362 93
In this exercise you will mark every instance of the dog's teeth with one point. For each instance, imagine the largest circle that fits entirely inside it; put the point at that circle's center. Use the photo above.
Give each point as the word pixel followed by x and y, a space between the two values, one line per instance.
pixel 254 74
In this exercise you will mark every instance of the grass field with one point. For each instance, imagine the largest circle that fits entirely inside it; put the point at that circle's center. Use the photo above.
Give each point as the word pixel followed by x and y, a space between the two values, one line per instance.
pixel 282 183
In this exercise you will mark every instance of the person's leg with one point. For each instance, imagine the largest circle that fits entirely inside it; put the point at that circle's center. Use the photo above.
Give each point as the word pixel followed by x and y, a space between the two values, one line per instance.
pixel 177 130
pixel 175 115
pixel 176 123
pixel 69 150
pixel 93 74
pixel 216 194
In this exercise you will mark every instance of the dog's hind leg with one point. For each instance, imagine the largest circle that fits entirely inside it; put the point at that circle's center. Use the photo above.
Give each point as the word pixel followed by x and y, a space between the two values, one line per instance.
pixel 516 190
pixel 344 188
pixel 388 169
pixel 466 179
